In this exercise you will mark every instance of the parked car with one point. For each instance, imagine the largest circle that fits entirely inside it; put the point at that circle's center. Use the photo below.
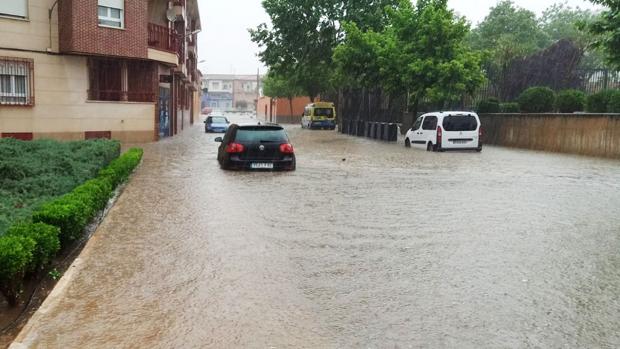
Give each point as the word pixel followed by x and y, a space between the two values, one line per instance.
pixel 320 115
pixel 256 147
pixel 216 124
pixel 442 131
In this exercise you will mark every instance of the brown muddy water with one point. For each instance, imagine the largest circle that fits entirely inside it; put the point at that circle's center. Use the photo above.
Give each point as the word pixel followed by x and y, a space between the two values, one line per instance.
pixel 391 248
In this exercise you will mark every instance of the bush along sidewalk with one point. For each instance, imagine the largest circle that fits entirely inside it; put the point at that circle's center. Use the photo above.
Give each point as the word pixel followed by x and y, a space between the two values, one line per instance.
pixel 30 247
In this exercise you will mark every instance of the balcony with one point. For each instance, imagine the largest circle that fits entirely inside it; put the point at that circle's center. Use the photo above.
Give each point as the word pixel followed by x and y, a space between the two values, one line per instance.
pixel 163 38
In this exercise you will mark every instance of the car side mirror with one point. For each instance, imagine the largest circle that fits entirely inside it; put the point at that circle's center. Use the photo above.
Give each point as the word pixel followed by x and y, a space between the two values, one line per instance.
pixel 205 121
pixel 219 139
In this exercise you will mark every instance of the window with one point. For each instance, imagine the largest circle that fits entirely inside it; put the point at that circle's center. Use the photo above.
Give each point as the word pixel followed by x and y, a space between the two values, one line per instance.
pixel 460 123
pixel 327 112
pixel 417 124
pixel 14 8
pixel 16 81
pixel 430 123
pixel 215 85
pixel 111 13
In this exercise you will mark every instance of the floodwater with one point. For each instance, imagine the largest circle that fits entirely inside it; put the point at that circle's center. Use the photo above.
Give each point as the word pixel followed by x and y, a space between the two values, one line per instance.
pixel 366 245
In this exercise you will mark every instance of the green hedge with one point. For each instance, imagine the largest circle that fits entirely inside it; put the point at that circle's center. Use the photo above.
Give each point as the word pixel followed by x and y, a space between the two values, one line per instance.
pixel 30 246
pixel 606 101
pixel 46 238
pixel 35 172
pixel 488 106
pixel 613 104
pixel 509 107
pixel 120 169
pixel 537 100
pixel 570 101
pixel 72 212
pixel 16 256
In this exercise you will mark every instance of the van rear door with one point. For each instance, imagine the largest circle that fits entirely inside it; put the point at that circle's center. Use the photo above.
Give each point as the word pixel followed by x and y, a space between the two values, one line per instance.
pixel 460 131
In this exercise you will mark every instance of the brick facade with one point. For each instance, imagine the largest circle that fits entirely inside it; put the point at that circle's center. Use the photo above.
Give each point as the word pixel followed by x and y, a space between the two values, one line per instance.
pixel 80 32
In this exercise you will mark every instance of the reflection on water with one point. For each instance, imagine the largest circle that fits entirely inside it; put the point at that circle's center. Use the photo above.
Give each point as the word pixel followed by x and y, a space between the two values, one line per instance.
pixel 366 245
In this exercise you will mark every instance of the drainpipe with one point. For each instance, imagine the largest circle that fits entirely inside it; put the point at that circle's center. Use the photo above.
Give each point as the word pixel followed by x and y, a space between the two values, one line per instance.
pixel 51 10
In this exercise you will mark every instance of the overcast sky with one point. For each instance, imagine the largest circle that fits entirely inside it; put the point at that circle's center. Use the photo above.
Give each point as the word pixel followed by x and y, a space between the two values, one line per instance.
pixel 226 47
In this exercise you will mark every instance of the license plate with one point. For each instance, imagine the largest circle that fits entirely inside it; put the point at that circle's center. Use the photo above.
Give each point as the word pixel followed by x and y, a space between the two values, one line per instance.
pixel 459 141
pixel 262 166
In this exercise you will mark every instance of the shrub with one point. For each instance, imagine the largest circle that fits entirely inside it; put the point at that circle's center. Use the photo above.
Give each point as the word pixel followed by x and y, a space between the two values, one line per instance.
pixel 69 213
pixel 488 106
pixel 570 101
pixel 16 255
pixel 600 102
pixel 613 104
pixel 46 240
pixel 35 172
pixel 120 169
pixel 96 192
pixel 509 107
pixel 72 212
pixel 537 100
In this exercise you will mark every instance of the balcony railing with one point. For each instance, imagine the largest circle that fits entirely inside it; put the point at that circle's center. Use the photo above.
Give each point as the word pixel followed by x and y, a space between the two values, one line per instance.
pixel 117 95
pixel 163 38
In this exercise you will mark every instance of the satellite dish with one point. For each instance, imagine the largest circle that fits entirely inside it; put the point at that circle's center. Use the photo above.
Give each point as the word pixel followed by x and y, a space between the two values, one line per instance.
pixel 171 14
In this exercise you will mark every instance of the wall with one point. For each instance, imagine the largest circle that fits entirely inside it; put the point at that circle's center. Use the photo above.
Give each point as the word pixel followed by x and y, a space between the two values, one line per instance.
pixel 32 33
pixel 61 108
pixel 80 31
pixel 280 111
pixel 584 134
pixel 241 95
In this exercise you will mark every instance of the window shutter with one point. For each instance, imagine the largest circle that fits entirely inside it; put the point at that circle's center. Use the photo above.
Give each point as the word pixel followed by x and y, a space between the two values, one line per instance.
pixel 17 8
pixel 119 4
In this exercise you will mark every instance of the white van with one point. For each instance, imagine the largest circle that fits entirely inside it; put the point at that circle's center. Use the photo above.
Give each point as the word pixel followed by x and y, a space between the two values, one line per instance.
pixel 443 131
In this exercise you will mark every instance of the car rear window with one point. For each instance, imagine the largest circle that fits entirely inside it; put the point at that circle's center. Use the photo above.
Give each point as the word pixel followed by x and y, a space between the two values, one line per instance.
pixel 218 120
pixel 328 112
pixel 460 123
pixel 262 134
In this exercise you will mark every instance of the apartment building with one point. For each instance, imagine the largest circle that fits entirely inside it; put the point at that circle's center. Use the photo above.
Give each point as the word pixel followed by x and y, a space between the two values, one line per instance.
pixel 122 69
pixel 231 92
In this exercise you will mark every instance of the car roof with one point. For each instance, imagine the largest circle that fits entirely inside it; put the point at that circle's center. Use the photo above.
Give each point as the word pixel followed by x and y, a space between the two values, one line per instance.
pixel 320 105
pixel 448 113
pixel 258 127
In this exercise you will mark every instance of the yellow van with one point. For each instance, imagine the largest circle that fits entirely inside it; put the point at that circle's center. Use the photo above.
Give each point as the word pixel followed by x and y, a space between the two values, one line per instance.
pixel 320 115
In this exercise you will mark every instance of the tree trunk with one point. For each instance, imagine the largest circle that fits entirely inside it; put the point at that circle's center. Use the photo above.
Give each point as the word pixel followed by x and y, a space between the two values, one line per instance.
pixel 416 104
pixel 290 102
pixel 11 295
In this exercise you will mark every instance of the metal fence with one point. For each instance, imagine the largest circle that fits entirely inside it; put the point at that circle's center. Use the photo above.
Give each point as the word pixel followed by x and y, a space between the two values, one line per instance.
pixel 588 81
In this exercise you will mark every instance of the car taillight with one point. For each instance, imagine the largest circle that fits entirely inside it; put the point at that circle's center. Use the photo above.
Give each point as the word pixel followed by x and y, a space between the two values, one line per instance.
pixel 234 148
pixel 286 148
pixel 439 135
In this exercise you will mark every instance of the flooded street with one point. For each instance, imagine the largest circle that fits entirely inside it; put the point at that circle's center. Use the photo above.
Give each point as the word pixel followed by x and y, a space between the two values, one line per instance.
pixel 366 245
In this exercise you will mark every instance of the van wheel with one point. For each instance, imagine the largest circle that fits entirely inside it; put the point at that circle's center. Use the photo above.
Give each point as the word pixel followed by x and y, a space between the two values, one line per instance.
pixel 429 147
pixel 407 143
pixel 479 149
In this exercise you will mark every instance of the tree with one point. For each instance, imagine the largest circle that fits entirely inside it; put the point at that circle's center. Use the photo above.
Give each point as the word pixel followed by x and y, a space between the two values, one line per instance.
pixel 304 33
pixel 507 33
pixel 278 86
pixel 420 52
pixel 425 49
pixel 605 29
pixel 507 23
pixel 562 22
